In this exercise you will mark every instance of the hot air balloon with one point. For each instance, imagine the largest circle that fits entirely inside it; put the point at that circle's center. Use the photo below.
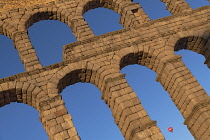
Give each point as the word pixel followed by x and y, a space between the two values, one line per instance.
pixel 170 129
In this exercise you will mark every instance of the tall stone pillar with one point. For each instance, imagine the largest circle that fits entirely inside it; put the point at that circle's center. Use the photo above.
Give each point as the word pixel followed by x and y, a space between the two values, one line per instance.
pixel 128 112
pixel 81 29
pixel 188 96
pixel 26 51
pixel 56 120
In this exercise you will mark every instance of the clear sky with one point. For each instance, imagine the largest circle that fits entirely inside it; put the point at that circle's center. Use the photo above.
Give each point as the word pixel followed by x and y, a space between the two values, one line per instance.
pixel 91 116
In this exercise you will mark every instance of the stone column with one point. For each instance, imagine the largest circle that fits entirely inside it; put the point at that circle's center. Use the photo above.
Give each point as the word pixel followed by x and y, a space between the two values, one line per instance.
pixel 128 112
pixel 56 120
pixel 177 6
pixel 187 94
pixel 132 14
pixel 80 28
pixel 26 51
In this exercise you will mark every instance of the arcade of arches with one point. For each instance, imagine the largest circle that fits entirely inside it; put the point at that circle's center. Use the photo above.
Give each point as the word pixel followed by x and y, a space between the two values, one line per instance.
pixel 99 59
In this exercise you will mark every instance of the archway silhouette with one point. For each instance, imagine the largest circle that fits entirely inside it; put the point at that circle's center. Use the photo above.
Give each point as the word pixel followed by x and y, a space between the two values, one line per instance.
pixel 48 37
pixel 90 113
pixel 110 20
pixel 155 10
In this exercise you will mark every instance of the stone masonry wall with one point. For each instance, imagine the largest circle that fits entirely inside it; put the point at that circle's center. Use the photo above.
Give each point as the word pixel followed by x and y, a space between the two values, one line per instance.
pixel 99 59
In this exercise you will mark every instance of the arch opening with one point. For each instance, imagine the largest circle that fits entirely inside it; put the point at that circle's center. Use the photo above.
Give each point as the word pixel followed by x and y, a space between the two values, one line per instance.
pixel 197 4
pixel 154 8
pixel 141 58
pixel 75 76
pixel 89 113
pixel 195 44
pixel 102 20
pixel 79 77
pixel 21 117
pixel 195 63
pixel 10 59
pixel 48 38
pixel 93 4
pixel 44 15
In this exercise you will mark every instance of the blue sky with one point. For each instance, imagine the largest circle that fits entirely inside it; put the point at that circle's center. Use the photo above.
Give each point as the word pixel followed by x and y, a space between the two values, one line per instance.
pixel 91 116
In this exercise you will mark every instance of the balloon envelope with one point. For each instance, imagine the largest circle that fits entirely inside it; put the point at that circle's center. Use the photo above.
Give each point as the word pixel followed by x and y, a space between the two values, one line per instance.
pixel 170 129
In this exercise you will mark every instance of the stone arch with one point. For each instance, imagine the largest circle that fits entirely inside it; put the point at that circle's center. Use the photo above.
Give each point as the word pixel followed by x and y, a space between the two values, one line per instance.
pixel 26 21
pixel 193 43
pixel 174 76
pixel 183 88
pixel 122 101
pixel 115 5
pixel 197 41
pixel 50 13
pixel 57 13
pixel 142 55
pixel 22 92
pixel 77 72
pixel 86 5
pixel 34 96
pixel 131 13
pixel 186 93
pixel 114 90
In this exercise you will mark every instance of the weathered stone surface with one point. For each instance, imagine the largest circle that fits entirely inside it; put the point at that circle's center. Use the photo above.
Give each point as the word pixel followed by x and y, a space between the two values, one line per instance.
pixel 98 60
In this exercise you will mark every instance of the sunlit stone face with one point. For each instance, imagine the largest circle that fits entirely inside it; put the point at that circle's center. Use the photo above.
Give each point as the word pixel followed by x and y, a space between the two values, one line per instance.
pixel 13 4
